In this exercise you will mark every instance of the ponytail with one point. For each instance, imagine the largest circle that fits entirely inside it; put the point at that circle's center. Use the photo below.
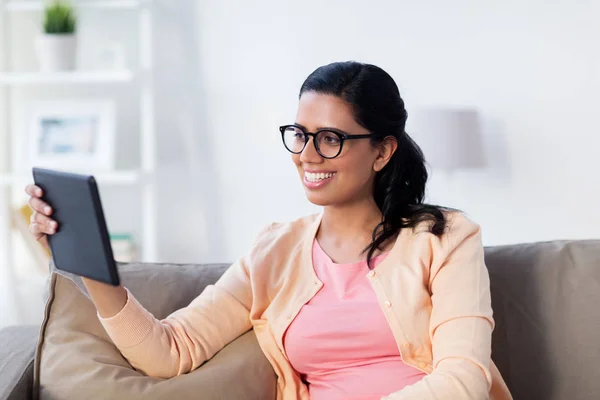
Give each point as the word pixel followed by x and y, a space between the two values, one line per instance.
pixel 399 194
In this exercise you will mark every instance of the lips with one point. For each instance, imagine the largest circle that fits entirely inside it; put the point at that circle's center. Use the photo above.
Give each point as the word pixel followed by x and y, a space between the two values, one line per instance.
pixel 317 179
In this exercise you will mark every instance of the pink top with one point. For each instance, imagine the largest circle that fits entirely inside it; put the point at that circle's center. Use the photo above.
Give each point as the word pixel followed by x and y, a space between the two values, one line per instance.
pixel 340 341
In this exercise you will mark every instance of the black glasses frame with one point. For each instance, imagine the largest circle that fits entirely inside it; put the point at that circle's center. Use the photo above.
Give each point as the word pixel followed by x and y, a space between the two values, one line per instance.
pixel 343 136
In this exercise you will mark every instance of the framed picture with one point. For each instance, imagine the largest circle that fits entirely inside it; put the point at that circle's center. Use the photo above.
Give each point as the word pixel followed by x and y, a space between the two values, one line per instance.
pixel 72 135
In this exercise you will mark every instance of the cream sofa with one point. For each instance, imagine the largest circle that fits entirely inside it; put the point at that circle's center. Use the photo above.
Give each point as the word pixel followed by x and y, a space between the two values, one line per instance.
pixel 546 300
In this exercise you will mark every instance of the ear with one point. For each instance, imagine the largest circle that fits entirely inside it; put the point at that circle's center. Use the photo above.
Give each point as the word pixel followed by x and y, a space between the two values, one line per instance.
pixel 387 148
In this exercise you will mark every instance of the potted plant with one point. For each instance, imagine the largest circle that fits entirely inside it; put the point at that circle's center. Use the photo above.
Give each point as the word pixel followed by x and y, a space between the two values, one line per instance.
pixel 57 46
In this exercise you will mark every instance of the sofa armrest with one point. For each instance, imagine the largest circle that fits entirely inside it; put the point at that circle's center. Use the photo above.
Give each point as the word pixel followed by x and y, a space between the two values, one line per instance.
pixel 17 348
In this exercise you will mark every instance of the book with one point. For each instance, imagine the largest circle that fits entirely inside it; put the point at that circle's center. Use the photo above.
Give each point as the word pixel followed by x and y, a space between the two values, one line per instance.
pixel 123 246
pixel 20 221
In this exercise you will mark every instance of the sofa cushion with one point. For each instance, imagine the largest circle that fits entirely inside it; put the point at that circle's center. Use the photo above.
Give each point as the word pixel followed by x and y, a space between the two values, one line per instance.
pixel 546 301
pixel 17 345
pixel 75 357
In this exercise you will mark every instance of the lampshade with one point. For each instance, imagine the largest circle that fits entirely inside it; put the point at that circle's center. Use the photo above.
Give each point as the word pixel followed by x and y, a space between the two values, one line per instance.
pixel 450 138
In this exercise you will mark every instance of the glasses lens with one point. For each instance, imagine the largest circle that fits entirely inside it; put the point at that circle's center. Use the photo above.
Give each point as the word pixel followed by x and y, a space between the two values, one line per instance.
pixel 329 143
pixel 294 139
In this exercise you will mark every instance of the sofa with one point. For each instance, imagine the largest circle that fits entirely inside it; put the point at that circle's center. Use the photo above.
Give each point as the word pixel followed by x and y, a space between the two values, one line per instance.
pixel 545 296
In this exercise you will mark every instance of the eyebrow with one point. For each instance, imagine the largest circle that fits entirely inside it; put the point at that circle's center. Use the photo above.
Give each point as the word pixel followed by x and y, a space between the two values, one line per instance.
pixel 322 128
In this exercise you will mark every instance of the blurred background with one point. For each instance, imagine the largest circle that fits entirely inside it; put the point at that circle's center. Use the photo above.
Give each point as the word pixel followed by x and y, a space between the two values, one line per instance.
pixel 182 101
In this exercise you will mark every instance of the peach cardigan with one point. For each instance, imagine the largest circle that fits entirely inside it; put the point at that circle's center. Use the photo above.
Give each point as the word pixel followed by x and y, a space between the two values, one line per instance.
pixel 435 294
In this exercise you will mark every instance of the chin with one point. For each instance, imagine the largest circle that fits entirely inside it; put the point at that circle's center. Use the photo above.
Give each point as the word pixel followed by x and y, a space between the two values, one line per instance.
pixel 321 198
pixel 318 200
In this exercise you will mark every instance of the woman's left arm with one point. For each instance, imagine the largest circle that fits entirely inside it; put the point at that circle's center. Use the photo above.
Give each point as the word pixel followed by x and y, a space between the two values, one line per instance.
pixel 461 320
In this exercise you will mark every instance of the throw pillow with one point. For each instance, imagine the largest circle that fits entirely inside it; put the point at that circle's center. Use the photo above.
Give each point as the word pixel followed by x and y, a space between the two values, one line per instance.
pixel 75 358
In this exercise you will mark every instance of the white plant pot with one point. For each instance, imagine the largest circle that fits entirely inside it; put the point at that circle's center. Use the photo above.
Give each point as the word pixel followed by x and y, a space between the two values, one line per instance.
pixel 56 52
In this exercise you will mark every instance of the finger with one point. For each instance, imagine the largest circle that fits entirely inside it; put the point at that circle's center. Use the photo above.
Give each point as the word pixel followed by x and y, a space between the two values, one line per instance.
pixel 41 229
pixel 39 206
pixel 33 190
pixel 36 230
pixel 50 224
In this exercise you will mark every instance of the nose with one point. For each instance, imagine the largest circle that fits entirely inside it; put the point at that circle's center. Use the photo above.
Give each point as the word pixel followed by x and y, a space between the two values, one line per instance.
pixel 309 154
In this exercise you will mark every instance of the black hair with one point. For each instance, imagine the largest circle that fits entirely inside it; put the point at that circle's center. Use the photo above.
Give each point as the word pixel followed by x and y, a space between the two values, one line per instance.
pixel 377 106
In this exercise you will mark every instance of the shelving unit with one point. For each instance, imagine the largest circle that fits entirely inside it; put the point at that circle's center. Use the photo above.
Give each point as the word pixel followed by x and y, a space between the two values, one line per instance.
pixel 37 5
pixel 122 177
pixel 62 78
pixel 142 74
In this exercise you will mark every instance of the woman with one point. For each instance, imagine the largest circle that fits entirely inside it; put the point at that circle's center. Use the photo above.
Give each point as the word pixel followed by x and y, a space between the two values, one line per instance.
pixel 380 296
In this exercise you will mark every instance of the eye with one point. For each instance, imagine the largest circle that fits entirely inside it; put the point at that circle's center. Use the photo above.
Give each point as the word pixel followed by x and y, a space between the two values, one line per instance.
pixel 329 138
pixel 294 139
pixel 295 133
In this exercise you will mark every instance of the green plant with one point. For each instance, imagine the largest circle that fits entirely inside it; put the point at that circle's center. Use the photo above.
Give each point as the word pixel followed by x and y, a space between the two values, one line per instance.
pixel 59 18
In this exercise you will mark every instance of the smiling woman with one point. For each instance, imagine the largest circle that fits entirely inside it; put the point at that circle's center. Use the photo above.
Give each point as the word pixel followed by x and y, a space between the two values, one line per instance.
pixel 379 296
pixel 387 169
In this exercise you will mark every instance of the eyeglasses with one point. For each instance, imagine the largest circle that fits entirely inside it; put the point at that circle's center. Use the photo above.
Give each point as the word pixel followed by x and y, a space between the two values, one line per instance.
pixel 328 142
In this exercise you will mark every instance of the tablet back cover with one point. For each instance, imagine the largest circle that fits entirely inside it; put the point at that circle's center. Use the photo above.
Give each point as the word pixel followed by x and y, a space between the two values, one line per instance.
pixel 81 244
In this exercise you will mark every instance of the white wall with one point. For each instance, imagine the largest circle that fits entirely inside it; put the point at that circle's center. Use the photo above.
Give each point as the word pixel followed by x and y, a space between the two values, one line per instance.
pixel 229 73
pixel 531 67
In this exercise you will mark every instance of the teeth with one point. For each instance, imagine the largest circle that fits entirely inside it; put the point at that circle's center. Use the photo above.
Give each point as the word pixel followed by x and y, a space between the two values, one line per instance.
pixel 312 177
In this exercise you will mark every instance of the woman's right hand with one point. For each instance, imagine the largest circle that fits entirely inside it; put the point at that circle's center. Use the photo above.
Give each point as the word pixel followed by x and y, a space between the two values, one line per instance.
pixel 40 224
pixel 108 299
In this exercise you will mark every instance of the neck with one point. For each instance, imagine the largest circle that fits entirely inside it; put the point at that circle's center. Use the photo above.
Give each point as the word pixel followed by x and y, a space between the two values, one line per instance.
pixel 350 221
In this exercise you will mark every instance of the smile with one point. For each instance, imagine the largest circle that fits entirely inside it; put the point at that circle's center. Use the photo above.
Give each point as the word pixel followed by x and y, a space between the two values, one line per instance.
pixel 318 176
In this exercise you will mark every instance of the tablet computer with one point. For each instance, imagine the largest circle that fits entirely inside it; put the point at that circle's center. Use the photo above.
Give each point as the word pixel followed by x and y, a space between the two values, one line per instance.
pixel 81 244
